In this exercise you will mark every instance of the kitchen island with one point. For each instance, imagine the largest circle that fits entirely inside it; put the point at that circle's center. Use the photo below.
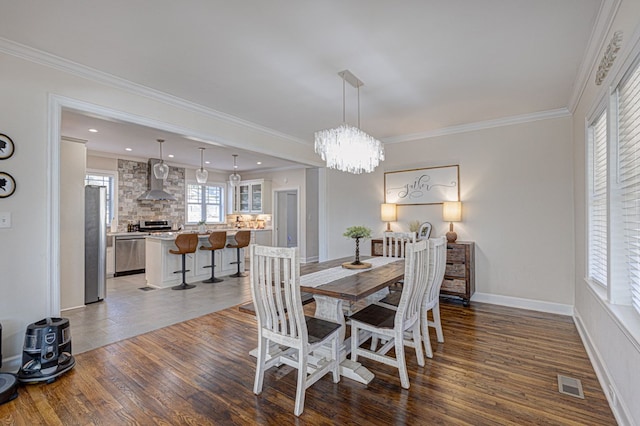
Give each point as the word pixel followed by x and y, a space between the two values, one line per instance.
pixel 160 265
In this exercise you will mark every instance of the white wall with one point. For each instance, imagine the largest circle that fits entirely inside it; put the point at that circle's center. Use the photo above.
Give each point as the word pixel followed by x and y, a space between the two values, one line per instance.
pixel 614 351
pixel 516 189
pixel 73 157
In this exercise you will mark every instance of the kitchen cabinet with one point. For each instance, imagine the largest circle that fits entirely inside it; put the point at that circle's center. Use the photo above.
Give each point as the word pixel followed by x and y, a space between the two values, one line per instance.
pixel 251 197
pixel 111 262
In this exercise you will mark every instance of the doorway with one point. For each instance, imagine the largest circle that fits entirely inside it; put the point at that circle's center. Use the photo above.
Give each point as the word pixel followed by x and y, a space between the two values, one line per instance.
pixel 286 217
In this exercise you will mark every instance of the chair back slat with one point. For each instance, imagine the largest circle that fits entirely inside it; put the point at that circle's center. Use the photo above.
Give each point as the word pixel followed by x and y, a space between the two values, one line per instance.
pixel 394 243
pixel 438 264
pixel 416 278
pixel 275 288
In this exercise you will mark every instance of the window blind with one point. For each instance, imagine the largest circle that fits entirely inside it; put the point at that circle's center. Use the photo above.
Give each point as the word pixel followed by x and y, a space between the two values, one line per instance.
pixel 597 210
pixel 629 177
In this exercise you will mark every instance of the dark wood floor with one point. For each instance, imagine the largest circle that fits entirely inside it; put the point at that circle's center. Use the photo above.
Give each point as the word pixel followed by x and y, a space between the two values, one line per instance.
pixel 498 366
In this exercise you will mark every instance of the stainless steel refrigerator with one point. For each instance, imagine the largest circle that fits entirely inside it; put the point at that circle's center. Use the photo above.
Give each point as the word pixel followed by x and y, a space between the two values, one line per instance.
pixel 95 243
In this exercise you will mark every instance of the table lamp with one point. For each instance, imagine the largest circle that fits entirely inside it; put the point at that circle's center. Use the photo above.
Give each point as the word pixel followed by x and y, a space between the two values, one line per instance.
pixel 388 214
pixel 451 212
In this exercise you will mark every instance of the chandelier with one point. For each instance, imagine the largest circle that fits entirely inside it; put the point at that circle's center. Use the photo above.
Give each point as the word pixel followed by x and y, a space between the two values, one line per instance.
pixel 234 178
pixel 347 148
pixel 201 173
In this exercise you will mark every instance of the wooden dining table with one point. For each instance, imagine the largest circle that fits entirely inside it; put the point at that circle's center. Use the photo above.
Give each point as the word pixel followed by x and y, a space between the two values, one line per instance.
pixel 360 288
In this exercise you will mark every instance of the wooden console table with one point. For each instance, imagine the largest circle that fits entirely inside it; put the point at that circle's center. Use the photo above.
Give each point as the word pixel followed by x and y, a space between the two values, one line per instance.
pixel 459 277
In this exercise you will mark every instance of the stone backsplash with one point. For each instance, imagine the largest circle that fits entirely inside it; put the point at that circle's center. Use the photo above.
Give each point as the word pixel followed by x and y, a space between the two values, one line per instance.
pixel 133 179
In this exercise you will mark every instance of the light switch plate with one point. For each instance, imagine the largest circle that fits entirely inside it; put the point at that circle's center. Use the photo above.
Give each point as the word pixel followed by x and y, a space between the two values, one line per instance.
pixel 5 219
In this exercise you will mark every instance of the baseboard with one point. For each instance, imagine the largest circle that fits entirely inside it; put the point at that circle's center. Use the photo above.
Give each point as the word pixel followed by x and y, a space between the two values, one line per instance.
pixel 618 407
pixel 12 364
pixel 516 302
pixel 309 259
pixel 73 307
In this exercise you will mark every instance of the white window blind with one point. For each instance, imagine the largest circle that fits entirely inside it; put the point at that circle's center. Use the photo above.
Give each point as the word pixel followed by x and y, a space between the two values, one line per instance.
pixel 629 177
pixel 597 207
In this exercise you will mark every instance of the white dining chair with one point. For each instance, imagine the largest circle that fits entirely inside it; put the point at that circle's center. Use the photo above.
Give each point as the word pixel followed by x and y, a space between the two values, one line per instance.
pixel 275 288
pixel 399 327
pixel 394 243
pixel 431 301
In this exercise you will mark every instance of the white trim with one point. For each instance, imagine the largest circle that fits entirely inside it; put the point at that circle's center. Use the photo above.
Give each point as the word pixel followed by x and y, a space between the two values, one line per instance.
pixel 74 68
pixel 517 302
pixel 618 407
pixel 52 256
pixel 481 125
pixel 597 41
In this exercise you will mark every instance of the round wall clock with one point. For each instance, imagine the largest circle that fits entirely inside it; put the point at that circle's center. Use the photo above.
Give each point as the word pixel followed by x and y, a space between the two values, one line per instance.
pixel 6 147
pixel 7 185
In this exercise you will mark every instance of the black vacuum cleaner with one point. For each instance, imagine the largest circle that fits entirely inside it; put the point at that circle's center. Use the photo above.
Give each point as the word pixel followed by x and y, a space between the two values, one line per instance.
pixel 47 351
pixel 8 381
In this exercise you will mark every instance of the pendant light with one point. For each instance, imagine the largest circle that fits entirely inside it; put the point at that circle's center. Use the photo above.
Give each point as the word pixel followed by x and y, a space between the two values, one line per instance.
pixel 234 178
pixel 202 174
pixel 160 170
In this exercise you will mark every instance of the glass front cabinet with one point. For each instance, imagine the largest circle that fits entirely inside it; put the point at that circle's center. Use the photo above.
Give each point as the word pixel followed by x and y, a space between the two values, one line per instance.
pixel 251 197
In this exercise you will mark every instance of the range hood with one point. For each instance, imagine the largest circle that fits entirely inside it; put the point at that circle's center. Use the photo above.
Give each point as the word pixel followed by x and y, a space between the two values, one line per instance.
pixel 155 191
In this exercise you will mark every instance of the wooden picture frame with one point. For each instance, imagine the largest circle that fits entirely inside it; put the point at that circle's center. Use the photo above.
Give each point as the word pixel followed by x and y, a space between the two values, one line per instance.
pixel 432 185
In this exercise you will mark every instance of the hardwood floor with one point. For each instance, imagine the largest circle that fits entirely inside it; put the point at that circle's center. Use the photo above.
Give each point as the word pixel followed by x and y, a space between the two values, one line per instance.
pixel 498 365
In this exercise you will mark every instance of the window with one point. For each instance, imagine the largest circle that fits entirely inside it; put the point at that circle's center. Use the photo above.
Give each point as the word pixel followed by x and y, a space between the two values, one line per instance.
pixel 628 163
pixel 205 202
pixel 107 180
pixel 597 199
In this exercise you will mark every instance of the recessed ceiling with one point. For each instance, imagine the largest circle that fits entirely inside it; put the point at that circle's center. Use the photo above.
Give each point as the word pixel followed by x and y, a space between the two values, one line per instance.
pixel 426 65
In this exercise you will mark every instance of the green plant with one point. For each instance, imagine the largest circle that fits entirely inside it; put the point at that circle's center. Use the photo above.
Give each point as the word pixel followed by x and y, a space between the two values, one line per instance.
pixel 414 226
pixel 357 232
pixel 202 222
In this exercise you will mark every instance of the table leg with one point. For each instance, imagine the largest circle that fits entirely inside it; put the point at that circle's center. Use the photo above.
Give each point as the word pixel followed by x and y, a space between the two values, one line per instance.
pixel 330 308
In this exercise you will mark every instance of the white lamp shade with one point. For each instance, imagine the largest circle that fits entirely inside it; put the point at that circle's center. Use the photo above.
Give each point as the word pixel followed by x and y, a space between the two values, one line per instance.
pixel 452 211
pixel 388 212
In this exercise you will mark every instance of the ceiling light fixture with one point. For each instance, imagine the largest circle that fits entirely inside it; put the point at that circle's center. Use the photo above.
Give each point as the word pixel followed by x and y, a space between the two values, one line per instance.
pixel 202 174
pixel 347 148
pixel 160 170
pixel 93 130
pixel 234 178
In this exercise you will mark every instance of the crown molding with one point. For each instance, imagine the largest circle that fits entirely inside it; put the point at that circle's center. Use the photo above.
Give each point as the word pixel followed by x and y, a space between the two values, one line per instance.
pixel 481 125
pixel 43 58
pixel 597 42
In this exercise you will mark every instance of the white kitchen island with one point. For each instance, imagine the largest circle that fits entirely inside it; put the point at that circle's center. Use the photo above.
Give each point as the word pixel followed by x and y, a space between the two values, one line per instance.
pixel 161 266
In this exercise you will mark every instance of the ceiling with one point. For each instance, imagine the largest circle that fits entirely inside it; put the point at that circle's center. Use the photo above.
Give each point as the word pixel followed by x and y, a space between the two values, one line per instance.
pixel 426 65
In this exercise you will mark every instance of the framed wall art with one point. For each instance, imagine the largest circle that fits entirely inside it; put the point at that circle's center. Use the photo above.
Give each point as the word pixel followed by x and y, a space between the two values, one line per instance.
pixel 431 185
pixel 7 185
pixel 6 147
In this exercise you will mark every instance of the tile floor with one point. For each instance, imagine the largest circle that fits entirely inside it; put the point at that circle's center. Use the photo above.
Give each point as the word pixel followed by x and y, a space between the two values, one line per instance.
pixel 128 311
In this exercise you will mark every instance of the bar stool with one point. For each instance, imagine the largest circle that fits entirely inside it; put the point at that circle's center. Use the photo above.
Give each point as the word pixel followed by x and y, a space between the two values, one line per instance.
pixel 186 243
pixel 217 241
pixel 243 238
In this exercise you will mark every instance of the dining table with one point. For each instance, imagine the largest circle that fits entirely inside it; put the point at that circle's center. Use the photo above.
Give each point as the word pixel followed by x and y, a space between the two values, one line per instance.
pixel 340 291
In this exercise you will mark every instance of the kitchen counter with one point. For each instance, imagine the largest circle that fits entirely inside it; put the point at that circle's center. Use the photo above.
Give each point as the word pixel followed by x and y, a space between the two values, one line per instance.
pixel 160 265
pixel 172 235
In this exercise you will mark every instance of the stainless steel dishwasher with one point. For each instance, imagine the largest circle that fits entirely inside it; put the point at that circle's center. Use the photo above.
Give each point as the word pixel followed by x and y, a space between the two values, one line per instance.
pixel 129 254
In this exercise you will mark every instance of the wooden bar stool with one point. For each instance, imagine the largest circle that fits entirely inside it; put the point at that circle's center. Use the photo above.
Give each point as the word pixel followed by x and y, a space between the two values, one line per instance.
pixel 217 240
pixel 243 238
pixel 187 244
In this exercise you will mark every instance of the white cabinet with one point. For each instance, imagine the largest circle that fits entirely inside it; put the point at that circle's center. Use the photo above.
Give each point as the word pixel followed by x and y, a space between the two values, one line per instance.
pixel 252 197
pixel 111 261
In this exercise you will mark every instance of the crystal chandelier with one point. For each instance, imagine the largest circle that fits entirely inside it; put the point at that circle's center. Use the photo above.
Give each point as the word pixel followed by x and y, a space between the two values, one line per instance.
pixel 201 173
pixel 347 148
pixel 160 170
pixel 234 178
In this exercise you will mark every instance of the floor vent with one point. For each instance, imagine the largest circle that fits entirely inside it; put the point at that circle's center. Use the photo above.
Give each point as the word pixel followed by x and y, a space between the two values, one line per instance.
pixel 146 288
pixel 570 386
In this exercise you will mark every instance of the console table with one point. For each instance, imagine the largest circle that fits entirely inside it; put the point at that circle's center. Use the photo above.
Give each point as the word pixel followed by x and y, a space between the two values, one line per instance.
pixel 459 277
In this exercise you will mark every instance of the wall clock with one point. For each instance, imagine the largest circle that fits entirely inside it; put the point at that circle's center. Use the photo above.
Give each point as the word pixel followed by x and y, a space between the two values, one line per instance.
pixel 6 147
pixel 7 185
